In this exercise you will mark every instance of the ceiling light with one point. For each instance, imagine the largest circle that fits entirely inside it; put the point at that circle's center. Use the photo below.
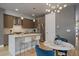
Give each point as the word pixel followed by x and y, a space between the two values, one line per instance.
pixel 58 11
pixel 76 31
pixel 47 4
pixel 60 8
pixel 22 18
pixel 65 5
pixel 57 5
pixel 48 10
pixel 33 20
pixel 16 9
pixel 54 10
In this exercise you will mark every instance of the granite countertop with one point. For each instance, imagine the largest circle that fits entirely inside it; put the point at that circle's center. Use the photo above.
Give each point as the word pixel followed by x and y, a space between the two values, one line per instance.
pixel 28 34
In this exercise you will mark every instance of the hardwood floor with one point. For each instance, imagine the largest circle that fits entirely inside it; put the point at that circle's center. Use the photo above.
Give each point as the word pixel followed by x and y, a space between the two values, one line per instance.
pixel 4 52
pixel 31 52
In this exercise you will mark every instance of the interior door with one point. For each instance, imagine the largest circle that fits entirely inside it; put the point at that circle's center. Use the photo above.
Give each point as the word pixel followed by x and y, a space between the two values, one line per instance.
pixel 50 27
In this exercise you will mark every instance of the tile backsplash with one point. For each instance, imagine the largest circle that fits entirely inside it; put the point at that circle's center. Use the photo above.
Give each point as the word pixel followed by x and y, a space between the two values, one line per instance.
pixel 17 28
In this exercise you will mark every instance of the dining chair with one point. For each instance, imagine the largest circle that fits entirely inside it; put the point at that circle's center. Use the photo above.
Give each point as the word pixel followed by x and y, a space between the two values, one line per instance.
pixel 42 52
pixel 61 38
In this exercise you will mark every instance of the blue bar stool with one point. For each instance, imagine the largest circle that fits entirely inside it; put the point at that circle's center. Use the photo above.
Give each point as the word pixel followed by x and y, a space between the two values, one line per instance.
pixel 42 52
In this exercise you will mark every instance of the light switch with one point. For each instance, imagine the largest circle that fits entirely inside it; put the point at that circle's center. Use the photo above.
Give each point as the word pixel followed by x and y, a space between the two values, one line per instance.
pixel 68 30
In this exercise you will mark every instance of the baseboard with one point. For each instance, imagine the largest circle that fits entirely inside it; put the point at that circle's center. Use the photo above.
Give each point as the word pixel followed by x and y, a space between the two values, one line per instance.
pixel 1 46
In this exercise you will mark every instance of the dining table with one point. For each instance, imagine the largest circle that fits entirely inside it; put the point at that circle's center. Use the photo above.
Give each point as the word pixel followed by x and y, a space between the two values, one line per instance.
pixel 59 49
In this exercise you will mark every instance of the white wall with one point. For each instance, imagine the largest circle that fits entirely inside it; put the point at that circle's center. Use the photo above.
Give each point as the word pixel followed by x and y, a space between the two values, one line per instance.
pixel 65 20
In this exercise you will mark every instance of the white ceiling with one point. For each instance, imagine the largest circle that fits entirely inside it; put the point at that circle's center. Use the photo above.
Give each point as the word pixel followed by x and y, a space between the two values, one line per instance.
pixel 26 8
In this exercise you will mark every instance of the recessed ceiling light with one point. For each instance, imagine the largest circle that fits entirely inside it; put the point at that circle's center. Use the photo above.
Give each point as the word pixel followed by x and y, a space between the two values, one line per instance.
pixel 65 5
pixel 46 3
pixel 16 9
pixel 60 8
pixel 49 5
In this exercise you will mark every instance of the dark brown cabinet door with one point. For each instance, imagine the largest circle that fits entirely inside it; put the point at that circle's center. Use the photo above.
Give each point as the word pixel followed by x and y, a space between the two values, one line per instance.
pixel 26 23
pixel 8 21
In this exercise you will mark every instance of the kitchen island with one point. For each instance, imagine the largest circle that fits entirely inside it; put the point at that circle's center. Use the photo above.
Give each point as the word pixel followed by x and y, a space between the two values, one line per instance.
pixel 19 43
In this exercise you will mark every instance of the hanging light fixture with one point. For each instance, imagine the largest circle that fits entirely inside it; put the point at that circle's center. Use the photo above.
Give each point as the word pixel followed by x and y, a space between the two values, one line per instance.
pixel 22 18
pixel 55 8
pixel 65 5
pixel 33 20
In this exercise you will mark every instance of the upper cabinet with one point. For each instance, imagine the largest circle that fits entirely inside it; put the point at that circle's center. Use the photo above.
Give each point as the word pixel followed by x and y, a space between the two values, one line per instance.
pixel 27 23
pixel 8 21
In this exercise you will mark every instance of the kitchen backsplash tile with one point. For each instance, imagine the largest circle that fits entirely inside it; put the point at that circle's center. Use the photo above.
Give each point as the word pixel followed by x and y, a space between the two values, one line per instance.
pixel 17 28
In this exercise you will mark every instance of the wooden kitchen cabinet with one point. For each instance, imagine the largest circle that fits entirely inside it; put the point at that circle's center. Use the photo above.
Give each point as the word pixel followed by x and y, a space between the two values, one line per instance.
pixel 8 21
pixel 26 23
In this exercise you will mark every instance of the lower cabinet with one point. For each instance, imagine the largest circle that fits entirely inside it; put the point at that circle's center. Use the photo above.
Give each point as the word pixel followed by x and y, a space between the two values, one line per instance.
pixel 17 45
pixel 24 43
